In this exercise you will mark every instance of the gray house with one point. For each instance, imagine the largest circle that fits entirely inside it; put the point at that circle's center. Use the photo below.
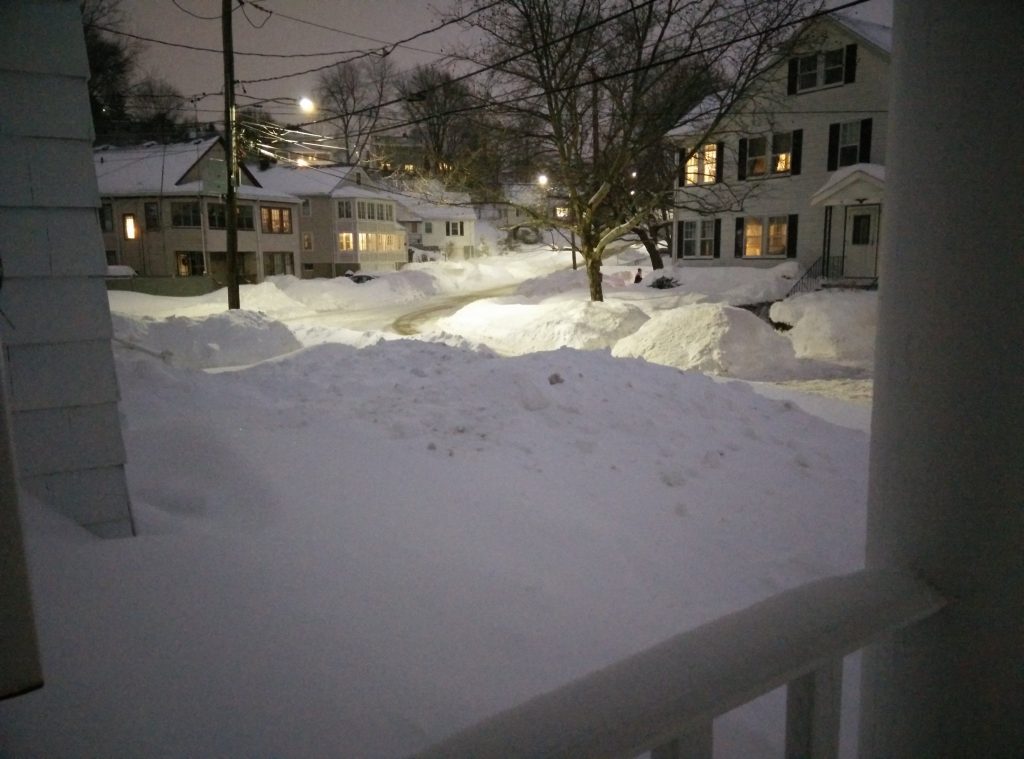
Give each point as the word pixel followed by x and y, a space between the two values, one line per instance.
pixel 797 169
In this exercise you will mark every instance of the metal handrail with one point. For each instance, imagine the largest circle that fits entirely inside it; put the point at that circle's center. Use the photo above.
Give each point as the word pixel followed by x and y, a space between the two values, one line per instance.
pixel 667 696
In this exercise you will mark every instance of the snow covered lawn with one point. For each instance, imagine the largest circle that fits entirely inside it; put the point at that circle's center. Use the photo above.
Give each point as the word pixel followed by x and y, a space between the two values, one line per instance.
pixel 357 544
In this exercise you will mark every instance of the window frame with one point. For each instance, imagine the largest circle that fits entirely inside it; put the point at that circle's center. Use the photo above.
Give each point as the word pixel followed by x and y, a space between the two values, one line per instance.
pixel 703 165
pixel 831 68
pixel 771 236
pixel 267 220
pixel 186 214
pixel 699 238
pixel 151 215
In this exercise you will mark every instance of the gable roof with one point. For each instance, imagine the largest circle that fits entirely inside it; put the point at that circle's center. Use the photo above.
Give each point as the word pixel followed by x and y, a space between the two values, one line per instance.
pixel 153 169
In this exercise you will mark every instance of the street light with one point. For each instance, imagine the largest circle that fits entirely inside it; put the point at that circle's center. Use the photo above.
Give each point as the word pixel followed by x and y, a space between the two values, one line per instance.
pixel 542 181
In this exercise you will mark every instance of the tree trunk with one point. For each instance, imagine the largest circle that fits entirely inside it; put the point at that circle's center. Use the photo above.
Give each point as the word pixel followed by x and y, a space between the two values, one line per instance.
pixel 594 276
pixel 651 244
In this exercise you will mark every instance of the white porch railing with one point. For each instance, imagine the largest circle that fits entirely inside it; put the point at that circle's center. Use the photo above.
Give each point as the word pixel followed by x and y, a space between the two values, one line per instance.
pixel 664 699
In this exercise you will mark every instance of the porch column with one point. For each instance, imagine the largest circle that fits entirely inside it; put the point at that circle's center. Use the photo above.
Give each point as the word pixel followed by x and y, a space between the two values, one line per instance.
pixel 946 488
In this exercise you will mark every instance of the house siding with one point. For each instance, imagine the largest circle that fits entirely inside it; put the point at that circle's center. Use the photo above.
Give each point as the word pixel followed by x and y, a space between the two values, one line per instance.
pixel 59 379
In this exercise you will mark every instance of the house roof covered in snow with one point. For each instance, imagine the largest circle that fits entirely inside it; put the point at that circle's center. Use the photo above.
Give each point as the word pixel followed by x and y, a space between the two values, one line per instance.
pixel 154 169
pixel 333 181
pixel 859 183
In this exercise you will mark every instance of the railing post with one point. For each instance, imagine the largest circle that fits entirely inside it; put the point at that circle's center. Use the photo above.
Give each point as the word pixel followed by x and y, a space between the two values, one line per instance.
pixel 812 713
pixel 694 744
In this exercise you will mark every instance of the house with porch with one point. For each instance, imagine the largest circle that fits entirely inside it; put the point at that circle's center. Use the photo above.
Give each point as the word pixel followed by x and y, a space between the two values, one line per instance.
pixel 162 214
pixel 796 171
pixel 446 223
pixel 345 222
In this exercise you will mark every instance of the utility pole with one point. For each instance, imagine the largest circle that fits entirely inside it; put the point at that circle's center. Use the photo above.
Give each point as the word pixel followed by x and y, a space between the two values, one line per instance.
pixel 231 158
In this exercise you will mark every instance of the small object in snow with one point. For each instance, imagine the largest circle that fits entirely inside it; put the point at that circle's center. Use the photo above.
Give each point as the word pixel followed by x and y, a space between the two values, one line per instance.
pixel 638 278
pixel 360 278
pixel 555 379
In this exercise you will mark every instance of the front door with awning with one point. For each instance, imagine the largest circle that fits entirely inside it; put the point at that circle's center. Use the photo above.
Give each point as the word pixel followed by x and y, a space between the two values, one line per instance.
pixel 860 249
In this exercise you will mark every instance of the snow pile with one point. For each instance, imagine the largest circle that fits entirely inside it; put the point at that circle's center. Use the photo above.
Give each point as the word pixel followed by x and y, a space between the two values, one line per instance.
pixel 228 339
pixel 712 338
pixel 514 328
pixel 737 285
pixel 353 553
pixel 831 325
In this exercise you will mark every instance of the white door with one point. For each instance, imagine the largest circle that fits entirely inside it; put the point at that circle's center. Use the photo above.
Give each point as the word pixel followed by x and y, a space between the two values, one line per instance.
pixel 861 248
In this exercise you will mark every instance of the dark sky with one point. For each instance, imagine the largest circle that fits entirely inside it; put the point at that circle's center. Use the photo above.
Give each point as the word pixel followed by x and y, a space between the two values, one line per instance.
pixel 194 72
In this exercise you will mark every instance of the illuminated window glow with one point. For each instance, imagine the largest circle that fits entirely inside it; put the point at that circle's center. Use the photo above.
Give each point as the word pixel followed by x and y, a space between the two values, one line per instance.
pixel 702 166
pixel 131 232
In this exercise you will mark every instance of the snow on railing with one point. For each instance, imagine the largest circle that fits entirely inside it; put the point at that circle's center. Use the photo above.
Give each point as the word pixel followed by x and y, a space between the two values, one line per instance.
pixel 664 699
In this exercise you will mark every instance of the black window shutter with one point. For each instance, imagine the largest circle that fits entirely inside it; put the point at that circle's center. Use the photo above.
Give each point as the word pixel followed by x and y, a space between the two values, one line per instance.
pixel 791 88
pixel 679 239
pixel 738 242
pixel 682 168
pixel 865 141
pixel 850 67
pixel 833 147
pixel 798 150
pixel 718 238
pixel 719 161
pixel 791 236
pixel 741 167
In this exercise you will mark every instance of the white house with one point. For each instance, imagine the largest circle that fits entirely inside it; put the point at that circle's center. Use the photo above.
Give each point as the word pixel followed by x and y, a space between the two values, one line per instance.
pixel 163 215
pixel 446 224
pixel 796 172
pixel 345 222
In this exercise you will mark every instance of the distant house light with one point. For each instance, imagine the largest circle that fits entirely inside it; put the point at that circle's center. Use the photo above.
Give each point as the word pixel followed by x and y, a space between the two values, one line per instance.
pixel 131 232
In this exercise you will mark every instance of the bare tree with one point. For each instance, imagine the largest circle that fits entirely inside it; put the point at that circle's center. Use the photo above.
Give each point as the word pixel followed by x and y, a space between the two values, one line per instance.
pixel 439 111
pixel 608 79
pixel 354 93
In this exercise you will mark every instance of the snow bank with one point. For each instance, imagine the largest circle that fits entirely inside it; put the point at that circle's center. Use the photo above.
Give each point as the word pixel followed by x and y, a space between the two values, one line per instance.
pixel 235 338
pixel 831 325
pixel 712 338
pixel 515 328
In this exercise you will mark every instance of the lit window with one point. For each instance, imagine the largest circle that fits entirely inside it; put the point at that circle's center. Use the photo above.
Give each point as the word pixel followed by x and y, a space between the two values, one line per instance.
pixel 345 241
pixel 275 220
pixel 782 152
pixel 131 232
pixel 562 212
pixel 771 236
pixel 190 263
pixel 753 231
pixel 702 166
pixel 307 241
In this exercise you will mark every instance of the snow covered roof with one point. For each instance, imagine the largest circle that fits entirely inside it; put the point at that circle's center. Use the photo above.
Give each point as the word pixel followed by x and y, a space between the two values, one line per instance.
pixel 878 35
pixel 154 169
pixel 859 183
pixel 334 181
pixel 147 169
pixel 452 206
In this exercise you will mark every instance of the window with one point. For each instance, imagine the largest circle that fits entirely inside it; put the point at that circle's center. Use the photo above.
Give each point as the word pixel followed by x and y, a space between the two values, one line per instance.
pixel 390 209
pixel 370 212
pixel 824 69
pixel 860 234
pixel 362 209
pixel 345 241
pixel 699 238
pixel 849 143
pixel 703 166
pixel 561 212
pixel 770 155
pixel 757 161
pixel 344 209
pixel 307 241
pixel 278 263
pixel 152 213
pixel 107 217
pixel 131 232
pixel 217 218
pixel 307 207
pixel 190 263
pixel 186 214
pixel 453 229
pixel 428 227
pixel 758 237
pixel 380 211
pixel 276 220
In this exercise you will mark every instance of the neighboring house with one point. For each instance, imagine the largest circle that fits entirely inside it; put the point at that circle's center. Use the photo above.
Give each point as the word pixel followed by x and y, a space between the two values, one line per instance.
pixel 345 222
pixel 163 215
pixel 60 386
pixel 798 173
pixel 447 225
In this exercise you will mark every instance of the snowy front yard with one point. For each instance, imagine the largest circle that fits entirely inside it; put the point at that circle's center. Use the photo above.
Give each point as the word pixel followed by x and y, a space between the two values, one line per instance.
pixel 357 544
